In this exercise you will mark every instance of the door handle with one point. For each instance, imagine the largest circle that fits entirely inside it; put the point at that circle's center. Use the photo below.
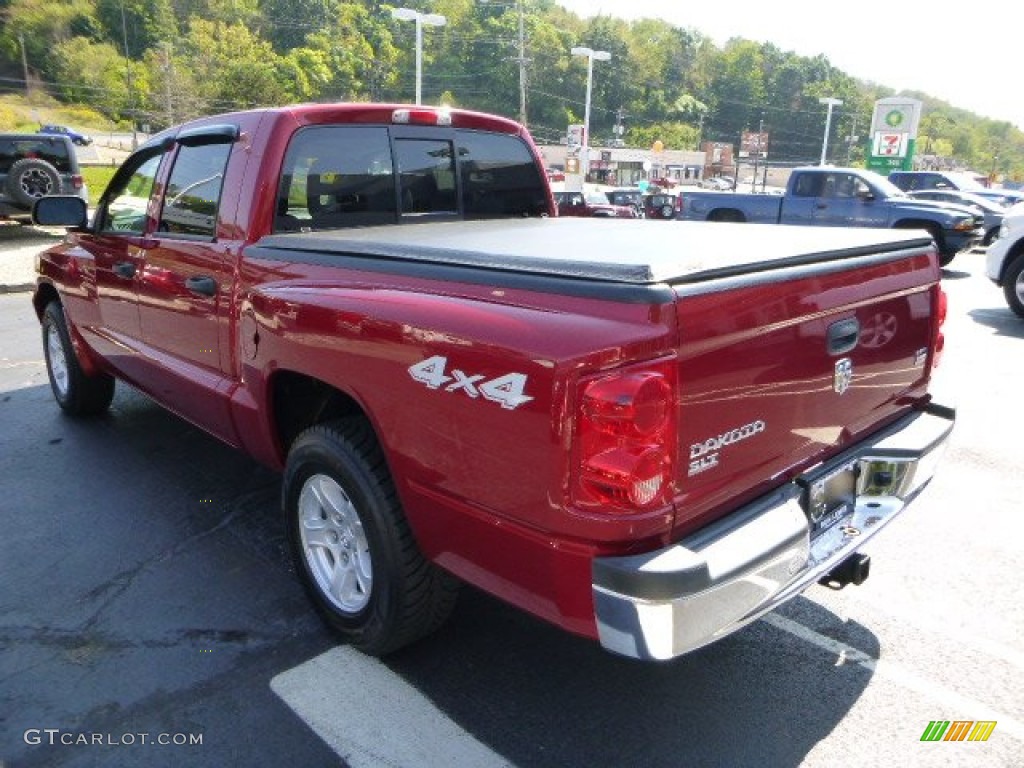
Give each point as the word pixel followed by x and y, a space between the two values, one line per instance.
pixel 843 336
pixel 124 269
pixel 202 284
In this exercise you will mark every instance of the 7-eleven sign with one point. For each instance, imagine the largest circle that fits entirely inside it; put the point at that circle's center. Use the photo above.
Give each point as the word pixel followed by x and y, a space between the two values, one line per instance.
pixel 890 144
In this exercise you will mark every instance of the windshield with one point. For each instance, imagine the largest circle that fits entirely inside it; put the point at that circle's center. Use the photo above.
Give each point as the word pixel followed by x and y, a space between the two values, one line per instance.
pixel 596 198
pixel 982 202
pixel 965 181
pixel 883 185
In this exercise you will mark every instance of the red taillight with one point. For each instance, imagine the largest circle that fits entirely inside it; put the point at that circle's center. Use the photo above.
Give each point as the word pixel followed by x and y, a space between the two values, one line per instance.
pixel 76 181
pixel 421 117
pixel 625 456
pixel 941 308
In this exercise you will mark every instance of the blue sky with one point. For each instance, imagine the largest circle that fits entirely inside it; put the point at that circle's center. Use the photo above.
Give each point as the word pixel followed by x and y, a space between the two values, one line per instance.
pixel 973 61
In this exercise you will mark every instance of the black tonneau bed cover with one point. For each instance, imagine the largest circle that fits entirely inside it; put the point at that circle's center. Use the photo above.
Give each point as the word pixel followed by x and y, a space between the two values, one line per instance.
pixel 634 252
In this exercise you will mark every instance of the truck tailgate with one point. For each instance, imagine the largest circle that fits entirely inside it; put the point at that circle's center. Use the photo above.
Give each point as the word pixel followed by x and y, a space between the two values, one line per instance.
pixel 779 369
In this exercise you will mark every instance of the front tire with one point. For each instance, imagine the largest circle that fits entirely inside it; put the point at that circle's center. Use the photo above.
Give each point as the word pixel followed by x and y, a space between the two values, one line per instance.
pixel 1013 285
pixel 76 392
pixel 352 545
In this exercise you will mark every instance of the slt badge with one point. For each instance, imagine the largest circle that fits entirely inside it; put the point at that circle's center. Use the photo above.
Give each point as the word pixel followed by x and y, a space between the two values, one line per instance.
pixel 843 375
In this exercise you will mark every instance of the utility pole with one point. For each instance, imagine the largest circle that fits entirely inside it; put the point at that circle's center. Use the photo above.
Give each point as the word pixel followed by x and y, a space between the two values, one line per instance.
pixel 852 141
pixel 24 61
pixel 128 82
pixel 619 130
pixel 522 61
pixel 168 67
pixel 757 154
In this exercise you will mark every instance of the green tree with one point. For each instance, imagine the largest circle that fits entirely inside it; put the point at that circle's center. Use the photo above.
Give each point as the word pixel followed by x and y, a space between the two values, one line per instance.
pixel 135 26
pixel 233 68
pixel 94 74
pixel 43 25
pixel 287 23
pixel 359 52
pixel 671 135
pixel 173 96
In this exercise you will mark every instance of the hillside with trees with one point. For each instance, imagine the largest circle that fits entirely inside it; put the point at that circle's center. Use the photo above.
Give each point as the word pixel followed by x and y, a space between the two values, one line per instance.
pixel 159 62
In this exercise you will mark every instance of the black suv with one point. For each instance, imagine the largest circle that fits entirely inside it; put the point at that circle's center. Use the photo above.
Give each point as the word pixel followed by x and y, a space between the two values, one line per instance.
pixel 33 165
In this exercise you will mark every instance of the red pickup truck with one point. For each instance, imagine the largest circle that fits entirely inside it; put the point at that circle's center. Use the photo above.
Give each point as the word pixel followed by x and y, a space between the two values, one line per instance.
pixel 647 438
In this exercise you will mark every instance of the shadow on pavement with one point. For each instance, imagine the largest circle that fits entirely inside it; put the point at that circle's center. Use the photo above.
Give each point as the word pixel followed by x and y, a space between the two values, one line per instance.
pixel 1000 319
pixel 540 697
pixel 954 274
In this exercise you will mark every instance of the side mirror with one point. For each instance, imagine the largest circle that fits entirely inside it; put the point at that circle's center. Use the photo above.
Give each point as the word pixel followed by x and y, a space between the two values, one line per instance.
pixel 60 211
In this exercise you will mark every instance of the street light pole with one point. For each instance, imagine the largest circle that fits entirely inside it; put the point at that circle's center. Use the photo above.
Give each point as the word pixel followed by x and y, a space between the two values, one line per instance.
pixel 828 122
pixel 591 54
pixel 431 20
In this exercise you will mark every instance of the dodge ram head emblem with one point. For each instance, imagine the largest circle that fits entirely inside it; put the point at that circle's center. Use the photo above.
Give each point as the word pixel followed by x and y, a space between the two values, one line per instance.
pixel 843 375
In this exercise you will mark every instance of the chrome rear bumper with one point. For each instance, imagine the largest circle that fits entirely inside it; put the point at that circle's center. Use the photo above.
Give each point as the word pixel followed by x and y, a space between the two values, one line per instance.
pixel 663 604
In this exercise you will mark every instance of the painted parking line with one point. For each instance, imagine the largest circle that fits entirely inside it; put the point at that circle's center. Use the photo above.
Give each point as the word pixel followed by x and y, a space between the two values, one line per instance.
pixel 919 619
pixel 899 675
pixel 372 718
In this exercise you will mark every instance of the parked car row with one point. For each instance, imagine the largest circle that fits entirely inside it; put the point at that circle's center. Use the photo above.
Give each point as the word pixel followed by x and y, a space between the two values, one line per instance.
pixel 1003 211
pixel 626 203
pixel 991 211
pixel 915 181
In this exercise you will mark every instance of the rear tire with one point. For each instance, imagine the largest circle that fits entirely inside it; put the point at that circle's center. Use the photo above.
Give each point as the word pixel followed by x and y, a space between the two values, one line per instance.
pixel 352 545
pixel 1013 285
pixel 76 392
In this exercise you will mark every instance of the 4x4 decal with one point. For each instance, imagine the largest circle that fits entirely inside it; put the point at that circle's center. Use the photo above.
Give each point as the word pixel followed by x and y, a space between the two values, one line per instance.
pixel 505 390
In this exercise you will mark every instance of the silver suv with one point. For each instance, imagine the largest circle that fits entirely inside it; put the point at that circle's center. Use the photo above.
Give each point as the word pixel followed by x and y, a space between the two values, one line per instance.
pixel 34 165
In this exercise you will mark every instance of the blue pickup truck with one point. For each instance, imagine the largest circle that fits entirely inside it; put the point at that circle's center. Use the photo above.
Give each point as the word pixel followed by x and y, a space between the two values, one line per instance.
pixel 841 197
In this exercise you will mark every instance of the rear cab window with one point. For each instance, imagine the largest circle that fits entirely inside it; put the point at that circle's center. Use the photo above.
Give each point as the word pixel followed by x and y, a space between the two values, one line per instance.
pixel 499 177
pixel 351 176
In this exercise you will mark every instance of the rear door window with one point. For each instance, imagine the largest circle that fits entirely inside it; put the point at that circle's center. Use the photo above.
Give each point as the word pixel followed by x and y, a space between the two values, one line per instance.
pixel 337 176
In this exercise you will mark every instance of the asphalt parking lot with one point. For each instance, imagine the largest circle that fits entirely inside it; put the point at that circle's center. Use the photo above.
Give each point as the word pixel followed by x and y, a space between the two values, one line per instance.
pixel 150 615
